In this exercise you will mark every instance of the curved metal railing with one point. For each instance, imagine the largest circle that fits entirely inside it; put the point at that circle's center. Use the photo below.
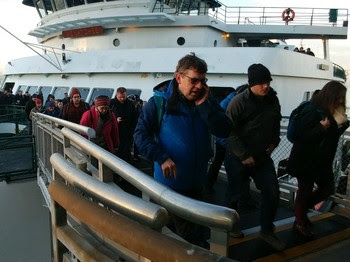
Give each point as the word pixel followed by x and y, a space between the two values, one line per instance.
pixel 134 207
pixel 196 211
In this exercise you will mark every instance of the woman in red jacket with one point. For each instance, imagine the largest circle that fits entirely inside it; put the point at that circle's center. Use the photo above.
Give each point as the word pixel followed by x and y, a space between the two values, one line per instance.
pixel 104 122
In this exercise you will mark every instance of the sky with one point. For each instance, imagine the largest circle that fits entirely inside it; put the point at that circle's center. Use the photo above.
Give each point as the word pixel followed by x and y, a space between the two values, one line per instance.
pixel 20 19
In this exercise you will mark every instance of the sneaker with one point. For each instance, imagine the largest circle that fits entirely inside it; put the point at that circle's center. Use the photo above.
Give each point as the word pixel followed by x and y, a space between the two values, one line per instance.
pixel 303 229
pixel 273 240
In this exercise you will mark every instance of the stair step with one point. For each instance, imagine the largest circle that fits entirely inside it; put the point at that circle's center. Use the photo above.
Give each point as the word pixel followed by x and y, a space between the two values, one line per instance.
pixel 308 247
pixel 329 228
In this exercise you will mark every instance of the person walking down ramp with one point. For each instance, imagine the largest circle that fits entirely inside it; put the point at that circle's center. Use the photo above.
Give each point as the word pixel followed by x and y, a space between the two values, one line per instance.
pixel 317 134
pixel 104 122
pixel 174 130
pixel 255 114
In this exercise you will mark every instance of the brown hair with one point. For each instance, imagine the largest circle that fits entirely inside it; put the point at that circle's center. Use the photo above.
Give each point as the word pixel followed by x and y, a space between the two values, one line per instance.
pixel 328 95
pixel 191 61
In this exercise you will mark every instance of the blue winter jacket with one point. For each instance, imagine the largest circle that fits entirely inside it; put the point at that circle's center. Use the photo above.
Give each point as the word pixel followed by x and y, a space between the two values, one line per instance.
pixel 183 136
pixel 224 103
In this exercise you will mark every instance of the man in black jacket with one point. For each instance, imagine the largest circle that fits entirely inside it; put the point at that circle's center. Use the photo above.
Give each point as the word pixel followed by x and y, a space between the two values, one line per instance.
pixel 125 112
pixel 27 108
pixel 256 116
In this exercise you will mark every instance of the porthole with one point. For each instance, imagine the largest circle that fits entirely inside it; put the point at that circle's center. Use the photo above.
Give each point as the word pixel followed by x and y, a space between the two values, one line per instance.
pixel 116 42
pixel 181 41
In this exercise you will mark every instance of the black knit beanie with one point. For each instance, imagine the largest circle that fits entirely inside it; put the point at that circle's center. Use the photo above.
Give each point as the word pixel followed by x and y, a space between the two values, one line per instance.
pixel 258 74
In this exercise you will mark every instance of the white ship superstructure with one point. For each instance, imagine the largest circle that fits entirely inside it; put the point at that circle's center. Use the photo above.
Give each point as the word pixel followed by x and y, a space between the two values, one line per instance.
pixel 98 46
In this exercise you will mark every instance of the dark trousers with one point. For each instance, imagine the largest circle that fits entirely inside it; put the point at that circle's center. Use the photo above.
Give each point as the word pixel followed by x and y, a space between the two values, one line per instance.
pixel 307 197
pixel 191 232
pixel 265 178
pixel 215 166
pixel 125 144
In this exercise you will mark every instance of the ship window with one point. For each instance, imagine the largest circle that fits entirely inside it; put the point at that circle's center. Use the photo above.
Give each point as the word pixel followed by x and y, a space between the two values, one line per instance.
pixel 101 92
pixel 59 4
pixel 9 85
pixel 84 91
pixel 130 91
pixel 94 1
pixel 46 91
pixel 72 3
pixel 116 42
pixel 59 92
pixel 32 89
pixel 220 92
pixel 22 88
pixel 307 96
pixel 181 41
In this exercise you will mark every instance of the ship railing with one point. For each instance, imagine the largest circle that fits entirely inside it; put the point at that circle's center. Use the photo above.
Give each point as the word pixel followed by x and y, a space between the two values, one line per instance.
pixel 12 114
pixel 255 15
pixel 15 143
pixel 78 150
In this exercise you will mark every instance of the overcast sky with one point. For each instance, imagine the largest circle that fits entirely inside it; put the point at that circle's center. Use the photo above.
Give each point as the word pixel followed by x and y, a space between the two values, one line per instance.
pixel 20 19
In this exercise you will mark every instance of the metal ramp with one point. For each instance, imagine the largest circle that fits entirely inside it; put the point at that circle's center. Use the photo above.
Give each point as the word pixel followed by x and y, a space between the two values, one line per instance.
pixel 329 229
pixel 59 158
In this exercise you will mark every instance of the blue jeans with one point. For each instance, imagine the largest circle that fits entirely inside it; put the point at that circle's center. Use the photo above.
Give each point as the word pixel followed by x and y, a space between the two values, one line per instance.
pixel 265 179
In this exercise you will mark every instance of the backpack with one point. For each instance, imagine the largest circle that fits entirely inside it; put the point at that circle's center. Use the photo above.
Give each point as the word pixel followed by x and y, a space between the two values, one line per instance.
pixel 159 101
pixel 294 121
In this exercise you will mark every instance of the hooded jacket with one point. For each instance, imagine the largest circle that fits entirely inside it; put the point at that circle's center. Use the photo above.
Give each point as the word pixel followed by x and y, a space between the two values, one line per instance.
pixel 110 128
pixel 183 136
pixel 315 147
pixel 256 124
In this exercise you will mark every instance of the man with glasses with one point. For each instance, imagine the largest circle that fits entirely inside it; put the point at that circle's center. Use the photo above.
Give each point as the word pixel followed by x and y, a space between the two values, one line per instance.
pixel 175 134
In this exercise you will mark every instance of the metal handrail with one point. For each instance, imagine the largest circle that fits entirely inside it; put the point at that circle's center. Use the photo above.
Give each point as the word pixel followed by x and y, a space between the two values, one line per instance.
pixel 148 244
pixel 196 211
pixel 90 132
pixel 133 207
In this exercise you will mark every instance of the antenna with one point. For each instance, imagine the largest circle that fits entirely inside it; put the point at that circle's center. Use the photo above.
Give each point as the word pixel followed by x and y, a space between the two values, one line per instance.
pixel 51 63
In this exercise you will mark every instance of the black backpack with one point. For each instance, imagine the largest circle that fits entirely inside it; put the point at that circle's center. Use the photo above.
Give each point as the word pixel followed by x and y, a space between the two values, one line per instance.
pixel 294 121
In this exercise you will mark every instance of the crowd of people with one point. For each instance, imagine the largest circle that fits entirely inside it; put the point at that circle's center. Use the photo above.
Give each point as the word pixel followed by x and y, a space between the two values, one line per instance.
pixel 114 119
pixel 173 130
pixel 302 50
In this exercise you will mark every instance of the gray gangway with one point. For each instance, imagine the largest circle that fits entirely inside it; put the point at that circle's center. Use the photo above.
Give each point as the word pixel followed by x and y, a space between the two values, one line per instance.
pixel 84 201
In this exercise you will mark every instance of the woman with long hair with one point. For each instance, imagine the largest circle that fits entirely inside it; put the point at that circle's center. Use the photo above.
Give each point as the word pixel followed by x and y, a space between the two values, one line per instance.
pixel 321 124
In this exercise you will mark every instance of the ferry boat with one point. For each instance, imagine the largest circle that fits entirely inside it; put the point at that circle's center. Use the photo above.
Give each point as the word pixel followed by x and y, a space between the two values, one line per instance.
pixel 98 46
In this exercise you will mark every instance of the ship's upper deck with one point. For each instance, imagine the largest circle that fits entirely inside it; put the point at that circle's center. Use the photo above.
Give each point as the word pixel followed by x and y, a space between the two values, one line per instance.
pixel 58 16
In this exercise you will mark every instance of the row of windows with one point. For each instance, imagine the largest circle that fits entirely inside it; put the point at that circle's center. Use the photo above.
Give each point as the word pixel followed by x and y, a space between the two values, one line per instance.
pixel 49 6
pixel 87 94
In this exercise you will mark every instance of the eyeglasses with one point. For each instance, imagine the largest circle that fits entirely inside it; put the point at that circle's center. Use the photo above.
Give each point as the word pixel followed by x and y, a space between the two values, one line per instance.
pixel 195 81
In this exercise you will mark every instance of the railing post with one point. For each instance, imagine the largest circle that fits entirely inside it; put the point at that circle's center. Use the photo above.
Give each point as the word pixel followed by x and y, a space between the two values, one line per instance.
pixel 348 186
pixel 105 174
pixel 58 218
pixel 219 241
pixel 239 14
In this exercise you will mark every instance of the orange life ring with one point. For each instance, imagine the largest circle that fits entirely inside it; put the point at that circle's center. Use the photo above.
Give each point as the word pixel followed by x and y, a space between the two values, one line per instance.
pixel 288 15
